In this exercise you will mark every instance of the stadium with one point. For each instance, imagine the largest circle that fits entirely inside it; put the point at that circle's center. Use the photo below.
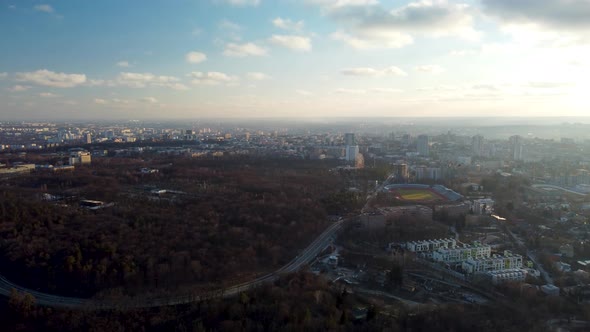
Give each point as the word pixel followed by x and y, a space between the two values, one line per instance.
pixel 422 194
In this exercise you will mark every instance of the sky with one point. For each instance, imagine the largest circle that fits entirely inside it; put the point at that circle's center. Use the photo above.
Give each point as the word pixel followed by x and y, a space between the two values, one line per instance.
pixel 192 59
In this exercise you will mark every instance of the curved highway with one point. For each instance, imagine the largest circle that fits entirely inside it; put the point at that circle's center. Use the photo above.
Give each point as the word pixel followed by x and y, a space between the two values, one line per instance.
pixel 306 256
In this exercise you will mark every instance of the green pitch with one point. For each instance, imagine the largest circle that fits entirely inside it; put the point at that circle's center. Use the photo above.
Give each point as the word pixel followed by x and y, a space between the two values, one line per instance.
pixel 416 195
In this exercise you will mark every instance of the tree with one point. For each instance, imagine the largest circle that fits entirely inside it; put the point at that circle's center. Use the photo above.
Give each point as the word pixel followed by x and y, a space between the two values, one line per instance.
pixel 23 304
pixel 395 276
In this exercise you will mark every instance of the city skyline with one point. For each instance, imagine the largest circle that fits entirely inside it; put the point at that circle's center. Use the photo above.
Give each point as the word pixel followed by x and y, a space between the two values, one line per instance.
pixel 304 59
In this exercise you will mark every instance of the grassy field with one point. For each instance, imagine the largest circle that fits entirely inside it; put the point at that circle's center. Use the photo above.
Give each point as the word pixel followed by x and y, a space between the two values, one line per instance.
pixel 416 195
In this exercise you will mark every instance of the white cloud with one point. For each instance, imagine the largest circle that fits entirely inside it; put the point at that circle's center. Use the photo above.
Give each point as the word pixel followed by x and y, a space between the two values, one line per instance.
pixel 560 14
pixel 123 64
pixel 243 50
pixel 385 90
pixel 195 57
pixel 100 101
pixel 548 85
pixel 91 82
pixel 120 101
pixel 226 24
pixel 298 43
pixel 287 24
pixel 149 100
pixel 255 76
pixel 431 69
pixel 488 87
pixel 49 78
pixel 336 4
pixel 368 24
pixel 463 52
pixel 47 95
pixel 143 80
pixel 367 41
pixel 230 30
pixel 212 78
pixel 303 92
pixel 368 71
pixel 239 3
pixel 19 88
pixel 350 91
pixel 44 8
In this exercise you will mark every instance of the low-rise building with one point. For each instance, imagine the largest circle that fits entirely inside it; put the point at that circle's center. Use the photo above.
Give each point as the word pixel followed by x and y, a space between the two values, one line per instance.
pixel 17 169
pixel 563 267
pixel 483 206
pixel 550 290
pixel 512 275
pixel 79 157
pixel 567 250
pixel 459 254
pixel 430 245
pixel 508 261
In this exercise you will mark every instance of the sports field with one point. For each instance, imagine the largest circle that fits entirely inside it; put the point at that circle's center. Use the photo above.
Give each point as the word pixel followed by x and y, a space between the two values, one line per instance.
pixel 416 195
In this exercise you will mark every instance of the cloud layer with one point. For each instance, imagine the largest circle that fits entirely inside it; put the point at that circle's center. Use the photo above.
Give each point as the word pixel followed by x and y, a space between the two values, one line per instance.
pixel 49 78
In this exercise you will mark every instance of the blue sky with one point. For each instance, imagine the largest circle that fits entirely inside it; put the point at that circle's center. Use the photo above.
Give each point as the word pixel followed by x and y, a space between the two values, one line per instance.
pixel 286 58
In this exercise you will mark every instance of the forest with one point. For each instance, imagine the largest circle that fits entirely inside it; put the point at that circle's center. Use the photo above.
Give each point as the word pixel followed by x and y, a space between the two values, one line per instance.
pixel 299 302
pixel 224 221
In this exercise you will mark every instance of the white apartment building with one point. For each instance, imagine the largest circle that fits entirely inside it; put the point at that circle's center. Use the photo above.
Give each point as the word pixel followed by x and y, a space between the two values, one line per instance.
pixel 495 263
pixel 430 245
pixel 512 275
pixel 459 254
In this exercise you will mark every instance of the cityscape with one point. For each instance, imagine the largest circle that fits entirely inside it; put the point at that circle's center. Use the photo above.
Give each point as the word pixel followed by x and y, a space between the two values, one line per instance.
pixel 418 216
pixel 312 165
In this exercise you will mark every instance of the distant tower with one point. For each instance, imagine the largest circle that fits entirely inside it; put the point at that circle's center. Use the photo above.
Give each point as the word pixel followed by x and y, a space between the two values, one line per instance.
pixel 477 145
pixel 88 138
pixel 516 147
pixel 352 152
pixel 349 139
pixel 400 172
pixel 424 145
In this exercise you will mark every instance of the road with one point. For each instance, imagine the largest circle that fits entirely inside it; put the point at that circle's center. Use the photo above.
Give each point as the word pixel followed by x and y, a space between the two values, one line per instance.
pixel 304 258
pixel 558 188
pixel 531 255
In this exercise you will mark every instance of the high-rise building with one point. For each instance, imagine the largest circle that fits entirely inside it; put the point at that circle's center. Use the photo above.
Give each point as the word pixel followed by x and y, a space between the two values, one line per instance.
pixel 189 135
pixel 429 173
pixel 516 147
pixel 477 143
pixel 351 152
pixel 88 138
pixel 400 172
pixel 349 139
pixel 406 138
pixel 424 145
